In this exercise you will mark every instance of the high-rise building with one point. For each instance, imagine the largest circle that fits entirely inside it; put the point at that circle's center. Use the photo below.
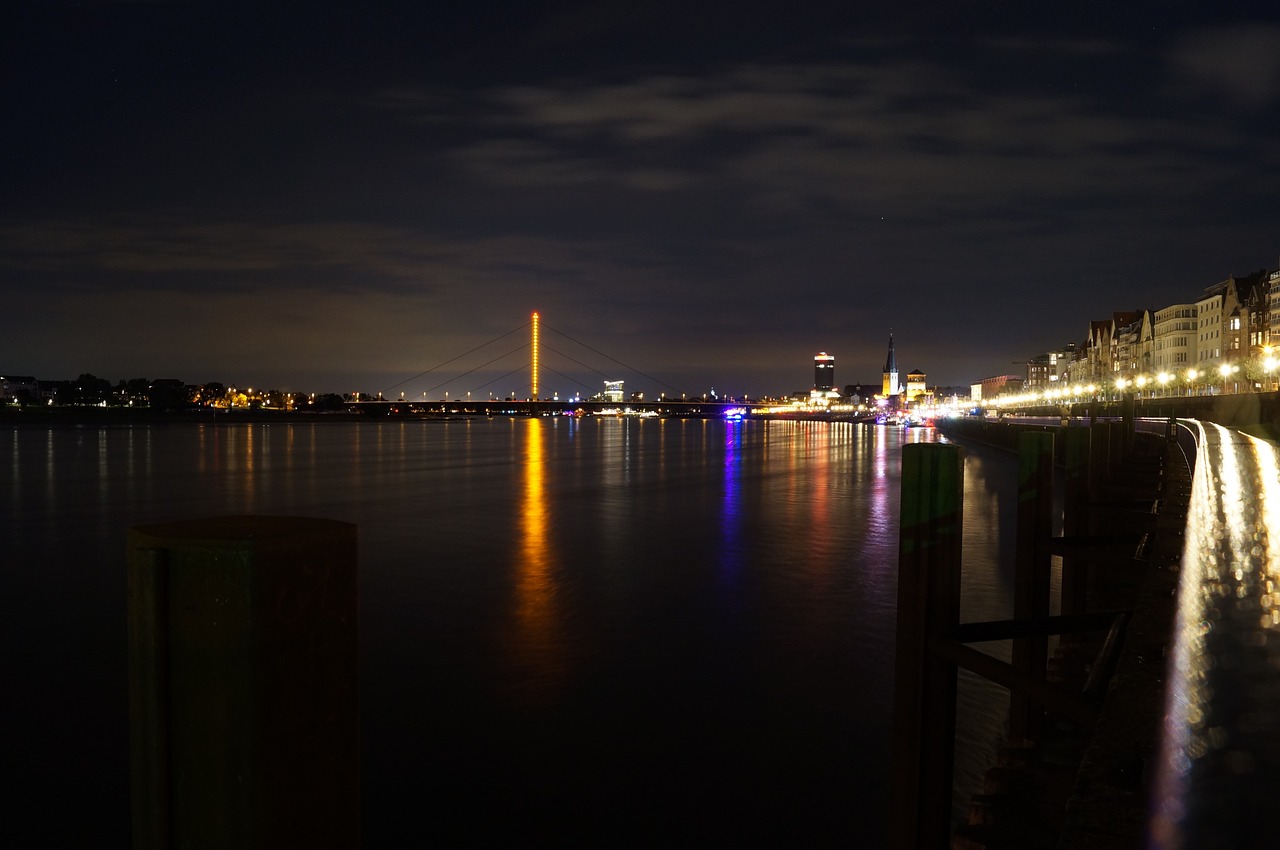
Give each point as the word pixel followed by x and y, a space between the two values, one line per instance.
pixel 824 370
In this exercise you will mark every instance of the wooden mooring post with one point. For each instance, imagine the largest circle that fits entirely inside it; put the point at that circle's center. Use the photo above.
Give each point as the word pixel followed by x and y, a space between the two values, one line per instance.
pixel 243 683
pixel 1081 458
pixel 928 610
pixel 1031 574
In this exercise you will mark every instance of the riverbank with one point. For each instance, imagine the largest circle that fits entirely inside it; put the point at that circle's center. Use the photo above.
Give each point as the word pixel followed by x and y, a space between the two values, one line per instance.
pixel 99 416
pixel 1087 785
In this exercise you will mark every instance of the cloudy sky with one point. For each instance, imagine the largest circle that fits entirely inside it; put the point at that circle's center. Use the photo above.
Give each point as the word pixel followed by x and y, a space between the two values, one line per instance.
pixel 332 196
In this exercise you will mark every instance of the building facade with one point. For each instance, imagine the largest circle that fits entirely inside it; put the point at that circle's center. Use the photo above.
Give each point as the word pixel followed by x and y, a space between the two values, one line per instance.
pixel 917 388
pixel 997 384
pixel 1176 343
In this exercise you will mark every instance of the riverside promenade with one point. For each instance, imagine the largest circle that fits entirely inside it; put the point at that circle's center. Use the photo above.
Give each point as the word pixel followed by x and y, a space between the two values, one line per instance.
pixel 1121 744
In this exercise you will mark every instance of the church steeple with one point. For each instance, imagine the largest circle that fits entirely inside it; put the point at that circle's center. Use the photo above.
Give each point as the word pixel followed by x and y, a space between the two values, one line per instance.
pixel 891 387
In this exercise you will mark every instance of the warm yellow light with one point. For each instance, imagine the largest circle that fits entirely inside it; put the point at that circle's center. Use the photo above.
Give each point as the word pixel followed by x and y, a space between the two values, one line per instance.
pixel 1164 378
pixel 1141 381
pixel 1224 370
pixel 1192 374
pixel 533 371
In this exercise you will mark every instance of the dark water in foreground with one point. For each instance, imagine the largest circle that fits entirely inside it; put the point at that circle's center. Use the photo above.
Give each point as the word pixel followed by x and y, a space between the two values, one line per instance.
pixel 609 632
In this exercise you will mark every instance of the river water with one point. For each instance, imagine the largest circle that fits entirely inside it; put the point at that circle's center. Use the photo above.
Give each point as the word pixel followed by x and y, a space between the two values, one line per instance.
pixel 608 631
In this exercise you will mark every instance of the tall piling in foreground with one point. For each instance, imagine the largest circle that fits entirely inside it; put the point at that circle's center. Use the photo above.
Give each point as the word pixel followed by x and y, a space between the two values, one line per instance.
pixel 243 683
pixel 929 550
pixel 1079 459
pixel 1031 573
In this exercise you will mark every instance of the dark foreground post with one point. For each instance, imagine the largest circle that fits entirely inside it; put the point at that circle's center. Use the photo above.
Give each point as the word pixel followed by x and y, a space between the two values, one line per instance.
pixel 928 608
pixel 242 683
pixel 1031 573
pixel 1078 455
pixel 1128 411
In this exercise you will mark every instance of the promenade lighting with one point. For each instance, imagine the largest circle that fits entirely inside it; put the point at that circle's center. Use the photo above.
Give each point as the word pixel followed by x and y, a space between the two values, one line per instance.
pixel 1163 380
pixel 1192 374
pixel 1226 370
pixel 1269 363
pixel 1140 382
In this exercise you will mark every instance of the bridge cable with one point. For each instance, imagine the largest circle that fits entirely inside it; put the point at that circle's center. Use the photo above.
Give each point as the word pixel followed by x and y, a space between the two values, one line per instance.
pixel 579 362
pixel 567 378
pixel 459 357
pixel 503 377
pixel 477 368
pixel 614 359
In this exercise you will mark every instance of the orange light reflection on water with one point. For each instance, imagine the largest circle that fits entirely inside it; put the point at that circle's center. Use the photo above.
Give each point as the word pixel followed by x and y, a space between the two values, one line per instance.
pixel 538 647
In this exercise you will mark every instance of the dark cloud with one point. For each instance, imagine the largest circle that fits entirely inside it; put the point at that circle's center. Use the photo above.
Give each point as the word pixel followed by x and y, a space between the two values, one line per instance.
pixel 1239 64
pixel 400 187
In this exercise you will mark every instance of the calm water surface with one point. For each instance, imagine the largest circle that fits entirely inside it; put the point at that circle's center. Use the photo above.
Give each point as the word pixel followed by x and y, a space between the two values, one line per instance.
pixel 612 631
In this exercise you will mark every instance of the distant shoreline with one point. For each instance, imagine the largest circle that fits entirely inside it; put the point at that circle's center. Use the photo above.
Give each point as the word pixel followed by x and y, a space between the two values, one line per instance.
pixel 35 415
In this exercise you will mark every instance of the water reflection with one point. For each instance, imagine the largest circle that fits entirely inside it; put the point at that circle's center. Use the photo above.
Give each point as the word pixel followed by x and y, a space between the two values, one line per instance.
pixel 730 498
pixel 585 601
pixel 537 641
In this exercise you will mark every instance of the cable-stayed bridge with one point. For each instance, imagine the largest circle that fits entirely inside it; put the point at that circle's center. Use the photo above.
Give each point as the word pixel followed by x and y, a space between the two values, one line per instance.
pixel 528 359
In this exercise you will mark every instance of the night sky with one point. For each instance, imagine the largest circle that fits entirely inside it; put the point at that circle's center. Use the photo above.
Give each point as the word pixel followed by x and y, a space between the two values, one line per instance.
pixel 328 197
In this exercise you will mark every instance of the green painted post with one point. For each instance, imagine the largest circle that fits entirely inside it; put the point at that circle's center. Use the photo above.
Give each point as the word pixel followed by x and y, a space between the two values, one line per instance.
pixel 1031 573
pixel 929 549
pixel 243 683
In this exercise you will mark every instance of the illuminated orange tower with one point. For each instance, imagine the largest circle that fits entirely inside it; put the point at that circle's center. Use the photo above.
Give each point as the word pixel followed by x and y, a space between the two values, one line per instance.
pixel 534 369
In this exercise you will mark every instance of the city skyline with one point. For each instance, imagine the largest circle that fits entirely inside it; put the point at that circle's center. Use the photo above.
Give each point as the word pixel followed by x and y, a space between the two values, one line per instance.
pixel 823 375
pixel 345 197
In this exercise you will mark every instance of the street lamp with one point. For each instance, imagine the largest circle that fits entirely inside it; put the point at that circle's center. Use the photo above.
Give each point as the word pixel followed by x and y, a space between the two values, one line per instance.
pixel 1192 374
pixel 1226 370
pixel 1163 380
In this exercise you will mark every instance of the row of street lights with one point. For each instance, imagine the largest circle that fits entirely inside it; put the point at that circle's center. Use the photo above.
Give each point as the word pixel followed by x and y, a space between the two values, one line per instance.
pixel 1193 379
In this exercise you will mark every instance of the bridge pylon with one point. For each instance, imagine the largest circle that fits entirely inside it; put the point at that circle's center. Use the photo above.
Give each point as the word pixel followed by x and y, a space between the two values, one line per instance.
pixel 533 377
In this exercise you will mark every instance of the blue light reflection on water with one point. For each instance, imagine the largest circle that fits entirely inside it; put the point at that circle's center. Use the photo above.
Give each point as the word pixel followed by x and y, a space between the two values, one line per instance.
pixel 584 624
